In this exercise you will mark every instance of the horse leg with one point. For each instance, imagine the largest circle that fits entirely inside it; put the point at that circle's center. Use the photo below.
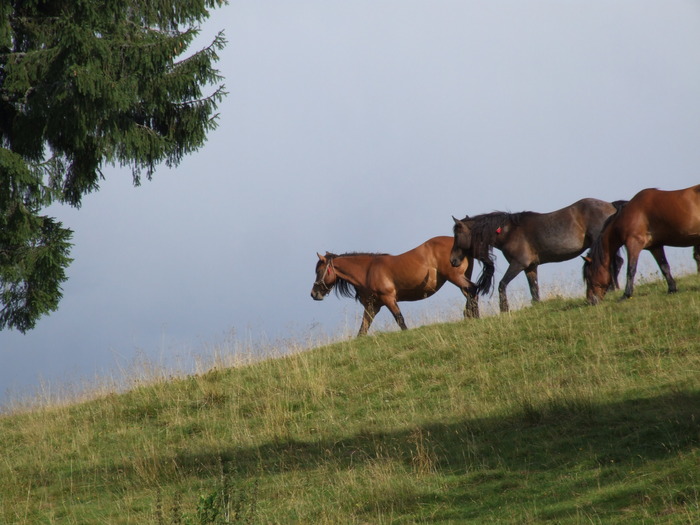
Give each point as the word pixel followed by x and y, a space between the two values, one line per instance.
pixel 531 274
pixel 471 309
pixel 696 256
pixel 615 283
pixel 368 316
pixel 463 282
pixel 660 256
pixel 393 306
pixel 632 258
pixel 513 270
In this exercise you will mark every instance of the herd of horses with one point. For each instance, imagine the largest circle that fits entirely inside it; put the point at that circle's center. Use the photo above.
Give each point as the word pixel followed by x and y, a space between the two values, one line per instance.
pixel 649 221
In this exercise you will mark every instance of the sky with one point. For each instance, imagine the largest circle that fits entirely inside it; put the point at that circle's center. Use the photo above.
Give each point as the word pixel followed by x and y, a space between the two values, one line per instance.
pixel 364 126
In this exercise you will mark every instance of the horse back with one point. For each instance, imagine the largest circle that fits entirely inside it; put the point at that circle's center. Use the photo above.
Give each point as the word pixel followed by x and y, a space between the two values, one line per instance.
pixel 419 272
pixel 434 249
pixel 665 217
pixel 563 234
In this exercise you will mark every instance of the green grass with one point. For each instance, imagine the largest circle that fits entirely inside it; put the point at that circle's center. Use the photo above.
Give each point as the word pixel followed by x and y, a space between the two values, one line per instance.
pixel 558 413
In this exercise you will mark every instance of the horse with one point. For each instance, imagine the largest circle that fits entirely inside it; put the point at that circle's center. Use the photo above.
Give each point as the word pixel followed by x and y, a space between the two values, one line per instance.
pixel 377 280
pixel 528 239
pixel 651 220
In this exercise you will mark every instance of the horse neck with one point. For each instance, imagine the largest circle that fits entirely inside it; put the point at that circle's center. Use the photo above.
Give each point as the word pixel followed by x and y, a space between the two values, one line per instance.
pixel 607 245
pixel 485 231
pixel 352 268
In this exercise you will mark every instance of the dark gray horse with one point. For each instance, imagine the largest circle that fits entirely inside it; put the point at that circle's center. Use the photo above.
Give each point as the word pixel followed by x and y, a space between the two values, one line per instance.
pixel 528 239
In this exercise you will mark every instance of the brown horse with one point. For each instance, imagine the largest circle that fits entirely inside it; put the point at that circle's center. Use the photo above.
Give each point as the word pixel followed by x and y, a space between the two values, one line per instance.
pixel 528 239
pixel 651 220
pixel 377 280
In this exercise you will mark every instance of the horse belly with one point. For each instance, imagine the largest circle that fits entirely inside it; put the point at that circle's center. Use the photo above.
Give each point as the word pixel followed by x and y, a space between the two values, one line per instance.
pixel 677 239
pixel 560 248
pixel 565 255
pixel 414 295
pixel 413 289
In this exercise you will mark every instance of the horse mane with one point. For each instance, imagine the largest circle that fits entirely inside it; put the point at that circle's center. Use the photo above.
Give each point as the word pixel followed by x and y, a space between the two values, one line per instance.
pixel 484 284
pixel 344 288
pixel 369 254
pixel 484 229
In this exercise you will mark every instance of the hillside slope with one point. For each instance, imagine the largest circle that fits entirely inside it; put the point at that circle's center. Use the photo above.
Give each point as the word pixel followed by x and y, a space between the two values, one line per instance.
pixel 557 412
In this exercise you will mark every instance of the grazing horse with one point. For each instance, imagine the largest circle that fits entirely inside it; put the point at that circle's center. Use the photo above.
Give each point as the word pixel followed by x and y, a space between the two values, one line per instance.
pixel 377 280
pixel 651 220
pixel 528 239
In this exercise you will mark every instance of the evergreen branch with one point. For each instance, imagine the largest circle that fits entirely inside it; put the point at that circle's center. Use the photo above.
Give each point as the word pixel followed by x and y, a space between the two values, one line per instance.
pixel 149 129
pixel 213 98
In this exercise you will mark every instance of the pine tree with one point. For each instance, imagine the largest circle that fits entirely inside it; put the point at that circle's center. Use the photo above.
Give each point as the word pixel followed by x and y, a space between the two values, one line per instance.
pixel 85 84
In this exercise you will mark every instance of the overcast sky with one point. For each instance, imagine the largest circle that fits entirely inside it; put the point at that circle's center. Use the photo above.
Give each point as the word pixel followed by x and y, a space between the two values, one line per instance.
pixel 364 126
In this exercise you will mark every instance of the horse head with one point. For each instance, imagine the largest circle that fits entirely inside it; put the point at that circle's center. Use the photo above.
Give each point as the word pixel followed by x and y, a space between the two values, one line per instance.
pixel 597 278
pixel 325 276
pixel 462 244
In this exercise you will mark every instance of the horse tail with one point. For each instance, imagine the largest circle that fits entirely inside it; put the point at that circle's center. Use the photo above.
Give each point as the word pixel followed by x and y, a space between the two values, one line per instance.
pixel 484 284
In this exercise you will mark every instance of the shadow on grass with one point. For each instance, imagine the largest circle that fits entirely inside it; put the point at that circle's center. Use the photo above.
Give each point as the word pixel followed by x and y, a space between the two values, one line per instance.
pixel 536 438
pixel 550 454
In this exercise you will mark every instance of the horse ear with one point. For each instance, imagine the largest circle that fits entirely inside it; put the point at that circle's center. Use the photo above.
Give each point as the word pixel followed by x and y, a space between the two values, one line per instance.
pixel 459 226
pixel 321 257
pixel 587 259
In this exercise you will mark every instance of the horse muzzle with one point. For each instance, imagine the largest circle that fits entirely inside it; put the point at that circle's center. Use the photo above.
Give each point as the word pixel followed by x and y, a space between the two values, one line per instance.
pixel 318 295
pixel 594 298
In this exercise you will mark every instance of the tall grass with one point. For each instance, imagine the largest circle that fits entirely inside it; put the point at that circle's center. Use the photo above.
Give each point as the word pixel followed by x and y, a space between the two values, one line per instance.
pixel 557 412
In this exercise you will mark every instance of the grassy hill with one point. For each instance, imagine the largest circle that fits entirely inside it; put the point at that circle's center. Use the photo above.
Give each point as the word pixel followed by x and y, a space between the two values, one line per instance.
pixel 558 412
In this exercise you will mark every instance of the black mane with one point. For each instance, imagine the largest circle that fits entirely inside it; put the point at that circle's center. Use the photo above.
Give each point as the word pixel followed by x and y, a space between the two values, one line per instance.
pixel 484 229
pixel 351 254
